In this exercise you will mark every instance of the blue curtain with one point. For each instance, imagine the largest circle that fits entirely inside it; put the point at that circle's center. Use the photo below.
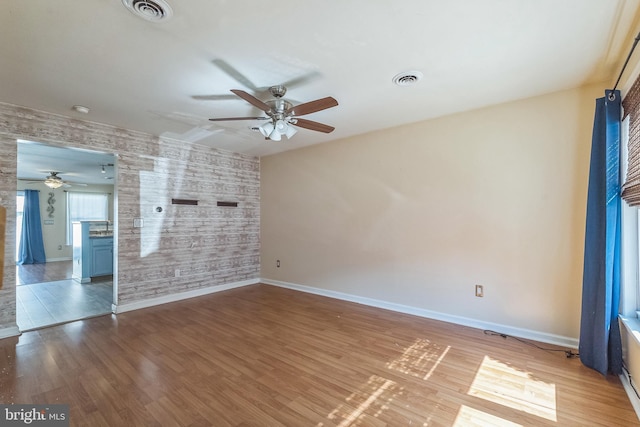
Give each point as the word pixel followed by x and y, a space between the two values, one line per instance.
pixel 31 249
pixel 600 345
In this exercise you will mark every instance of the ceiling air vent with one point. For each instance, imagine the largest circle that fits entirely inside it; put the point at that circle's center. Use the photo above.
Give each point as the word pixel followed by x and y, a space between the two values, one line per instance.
pixel 151 10
pixel 407 78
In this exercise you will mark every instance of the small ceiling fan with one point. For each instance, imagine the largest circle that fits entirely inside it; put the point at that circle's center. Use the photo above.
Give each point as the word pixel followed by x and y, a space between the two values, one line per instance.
pixel 54 181
pixel 281 114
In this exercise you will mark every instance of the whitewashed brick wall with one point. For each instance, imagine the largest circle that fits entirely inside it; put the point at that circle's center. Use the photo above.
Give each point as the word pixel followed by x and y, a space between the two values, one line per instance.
pixel 210 245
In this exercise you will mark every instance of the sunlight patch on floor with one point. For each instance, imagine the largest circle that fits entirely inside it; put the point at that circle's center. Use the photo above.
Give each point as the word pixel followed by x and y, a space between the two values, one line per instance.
pixel 469 417
pixel 420 359
pixel 372 400
pixel 497 382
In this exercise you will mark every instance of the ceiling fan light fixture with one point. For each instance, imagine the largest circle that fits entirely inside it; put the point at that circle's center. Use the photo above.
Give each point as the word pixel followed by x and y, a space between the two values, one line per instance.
pixel 275 135
pixel 281 126
pixel 274 131
pixel 266 129
pixel 53 182
pixel 290 131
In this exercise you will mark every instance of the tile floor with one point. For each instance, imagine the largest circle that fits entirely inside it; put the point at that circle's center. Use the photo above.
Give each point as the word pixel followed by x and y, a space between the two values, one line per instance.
pixel 60 301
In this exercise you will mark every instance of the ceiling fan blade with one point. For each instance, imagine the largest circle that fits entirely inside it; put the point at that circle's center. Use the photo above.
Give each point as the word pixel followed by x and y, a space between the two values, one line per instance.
pixel 311 125
pixel 312 106
pixel 226 119
pixel 252 100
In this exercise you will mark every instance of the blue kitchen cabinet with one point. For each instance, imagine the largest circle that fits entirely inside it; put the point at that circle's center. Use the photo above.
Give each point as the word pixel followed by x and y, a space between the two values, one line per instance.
pixel 92 250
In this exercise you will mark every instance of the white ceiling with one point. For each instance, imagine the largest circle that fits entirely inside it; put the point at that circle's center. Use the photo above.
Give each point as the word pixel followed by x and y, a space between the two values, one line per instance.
pixel 151 77
pixel 36 161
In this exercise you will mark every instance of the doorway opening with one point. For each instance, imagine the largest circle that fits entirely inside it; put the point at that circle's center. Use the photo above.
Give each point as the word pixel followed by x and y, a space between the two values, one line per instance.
pixel 49 293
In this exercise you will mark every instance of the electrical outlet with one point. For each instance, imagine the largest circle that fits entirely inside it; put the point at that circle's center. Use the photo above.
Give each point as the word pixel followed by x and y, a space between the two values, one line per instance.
pixel 278 263
pixel 479 291
pixel 177 272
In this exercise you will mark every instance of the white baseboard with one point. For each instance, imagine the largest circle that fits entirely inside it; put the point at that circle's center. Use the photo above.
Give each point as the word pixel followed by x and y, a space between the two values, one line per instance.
pixel 465 321
pixel 59 259
pixel 136 305
pixel 631 393
pixel 12 331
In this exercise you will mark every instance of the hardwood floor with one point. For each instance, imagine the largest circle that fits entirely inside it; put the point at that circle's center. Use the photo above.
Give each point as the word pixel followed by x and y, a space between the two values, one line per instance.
pixel 266 356
pixel 47 272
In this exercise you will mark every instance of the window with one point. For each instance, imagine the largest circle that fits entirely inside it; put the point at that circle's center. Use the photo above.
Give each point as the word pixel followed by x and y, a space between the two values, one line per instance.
pixel 630 237
pixel 86 207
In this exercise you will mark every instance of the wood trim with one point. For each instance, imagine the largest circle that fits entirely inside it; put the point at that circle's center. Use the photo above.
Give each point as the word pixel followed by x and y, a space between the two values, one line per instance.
pixel 165 299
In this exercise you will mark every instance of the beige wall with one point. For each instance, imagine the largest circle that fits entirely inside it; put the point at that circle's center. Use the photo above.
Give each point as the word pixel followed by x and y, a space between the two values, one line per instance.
pixel 54 235
pixel 418 215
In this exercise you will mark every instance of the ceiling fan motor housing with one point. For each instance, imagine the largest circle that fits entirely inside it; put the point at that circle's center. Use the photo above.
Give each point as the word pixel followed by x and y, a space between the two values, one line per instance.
pixel 278 107
pixel 278 91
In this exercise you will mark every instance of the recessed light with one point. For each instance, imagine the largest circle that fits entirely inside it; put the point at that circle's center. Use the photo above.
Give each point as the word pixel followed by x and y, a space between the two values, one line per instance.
pixel 81 109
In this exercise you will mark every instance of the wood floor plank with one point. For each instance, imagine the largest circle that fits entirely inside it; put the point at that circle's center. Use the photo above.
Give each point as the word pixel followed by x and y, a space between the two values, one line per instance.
pixel 27 274
pixel 262 355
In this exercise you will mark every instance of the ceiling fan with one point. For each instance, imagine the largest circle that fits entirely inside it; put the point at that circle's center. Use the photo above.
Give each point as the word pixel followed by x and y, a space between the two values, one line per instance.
pixel 281 114
pixel 54 181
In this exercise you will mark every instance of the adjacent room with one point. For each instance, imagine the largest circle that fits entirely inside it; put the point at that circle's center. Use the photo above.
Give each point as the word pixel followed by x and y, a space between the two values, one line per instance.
pixel 59 278
pixel 333 214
